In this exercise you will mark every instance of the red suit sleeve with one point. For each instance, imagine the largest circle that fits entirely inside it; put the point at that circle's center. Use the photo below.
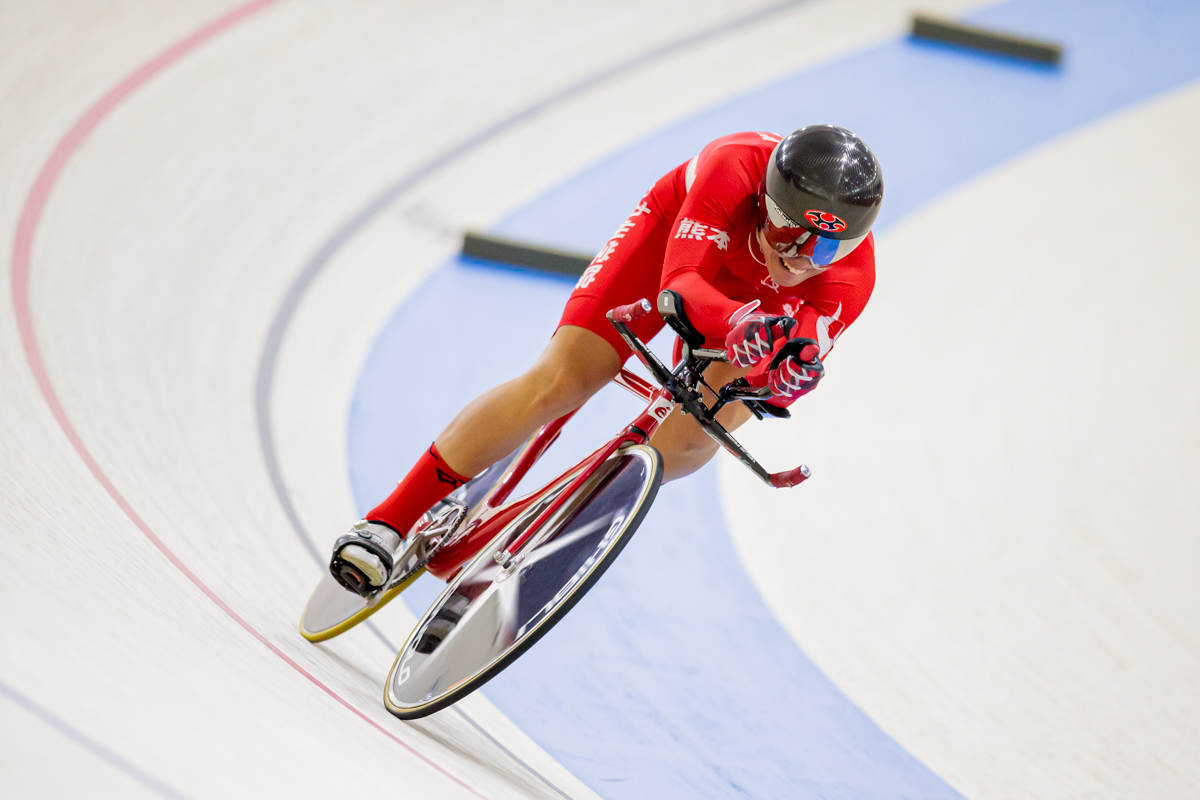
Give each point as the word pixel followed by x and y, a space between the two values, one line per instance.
pixel 835 298
pixel 722 192
pixel 832 301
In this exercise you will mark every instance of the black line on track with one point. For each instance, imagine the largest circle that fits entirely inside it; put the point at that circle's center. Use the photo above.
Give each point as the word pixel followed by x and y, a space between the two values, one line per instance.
pixel 482 732
pixel 986 40
pixel 524 254
pixel 508 752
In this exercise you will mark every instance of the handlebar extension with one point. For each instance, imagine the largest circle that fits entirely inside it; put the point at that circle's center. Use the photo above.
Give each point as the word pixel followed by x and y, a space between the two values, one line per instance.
pixel 792 477
pixel 631 312
pixel 681 382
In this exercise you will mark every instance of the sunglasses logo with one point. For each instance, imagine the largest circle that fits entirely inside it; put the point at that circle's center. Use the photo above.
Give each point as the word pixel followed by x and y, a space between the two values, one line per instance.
pixel 825 221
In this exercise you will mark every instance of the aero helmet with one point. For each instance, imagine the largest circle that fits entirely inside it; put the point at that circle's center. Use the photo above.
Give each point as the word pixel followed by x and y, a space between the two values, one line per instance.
pixel 821 194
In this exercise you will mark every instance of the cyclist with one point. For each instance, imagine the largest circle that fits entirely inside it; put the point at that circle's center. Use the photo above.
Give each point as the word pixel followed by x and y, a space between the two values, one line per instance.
pixel 766 238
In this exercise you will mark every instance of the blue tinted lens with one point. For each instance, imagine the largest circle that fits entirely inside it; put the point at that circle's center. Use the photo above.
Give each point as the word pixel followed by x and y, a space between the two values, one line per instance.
pixel 825 251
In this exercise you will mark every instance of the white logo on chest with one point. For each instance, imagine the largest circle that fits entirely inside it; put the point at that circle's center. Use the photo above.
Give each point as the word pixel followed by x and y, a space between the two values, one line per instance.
pixel 824 340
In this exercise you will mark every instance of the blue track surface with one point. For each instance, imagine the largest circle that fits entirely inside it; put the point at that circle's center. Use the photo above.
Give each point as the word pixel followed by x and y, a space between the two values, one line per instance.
pixel 672 679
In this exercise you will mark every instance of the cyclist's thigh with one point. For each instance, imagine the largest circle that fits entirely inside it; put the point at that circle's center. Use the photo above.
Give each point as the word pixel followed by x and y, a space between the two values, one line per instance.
pixel 576 361
pixel 627 269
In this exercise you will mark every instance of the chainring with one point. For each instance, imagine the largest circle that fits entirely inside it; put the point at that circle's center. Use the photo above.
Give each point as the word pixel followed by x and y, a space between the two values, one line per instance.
pixel 436 528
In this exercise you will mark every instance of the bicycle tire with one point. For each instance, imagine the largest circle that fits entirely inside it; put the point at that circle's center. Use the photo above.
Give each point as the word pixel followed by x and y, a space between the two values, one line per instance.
pixel 639 465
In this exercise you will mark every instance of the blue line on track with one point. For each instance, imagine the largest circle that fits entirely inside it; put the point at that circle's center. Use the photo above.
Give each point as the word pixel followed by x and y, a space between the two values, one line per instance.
pixel 89 744
pixel 672 679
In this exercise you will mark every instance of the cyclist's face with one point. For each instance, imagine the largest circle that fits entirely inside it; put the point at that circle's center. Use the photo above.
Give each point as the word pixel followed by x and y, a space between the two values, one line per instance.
pixel 787 271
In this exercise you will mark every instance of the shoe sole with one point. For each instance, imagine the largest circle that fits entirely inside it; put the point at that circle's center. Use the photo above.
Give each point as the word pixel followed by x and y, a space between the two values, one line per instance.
pixel 354 619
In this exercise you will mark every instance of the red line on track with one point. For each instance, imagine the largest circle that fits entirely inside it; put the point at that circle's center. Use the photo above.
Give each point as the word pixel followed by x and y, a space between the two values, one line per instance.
pixel 31 215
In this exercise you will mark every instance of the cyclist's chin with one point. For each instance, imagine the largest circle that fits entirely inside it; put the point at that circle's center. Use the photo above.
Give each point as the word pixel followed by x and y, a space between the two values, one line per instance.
pixel 784 276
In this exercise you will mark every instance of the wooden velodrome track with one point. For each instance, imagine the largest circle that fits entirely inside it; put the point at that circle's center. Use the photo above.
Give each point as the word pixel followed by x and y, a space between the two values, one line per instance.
pixel 1001 561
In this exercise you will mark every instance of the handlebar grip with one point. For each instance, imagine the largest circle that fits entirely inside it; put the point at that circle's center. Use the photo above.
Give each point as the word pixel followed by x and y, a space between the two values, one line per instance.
pixel 793 477
pixel 631 312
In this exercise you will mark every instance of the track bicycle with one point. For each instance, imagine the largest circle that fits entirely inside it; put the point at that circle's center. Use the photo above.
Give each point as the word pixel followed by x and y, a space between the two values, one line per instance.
pixel 514 567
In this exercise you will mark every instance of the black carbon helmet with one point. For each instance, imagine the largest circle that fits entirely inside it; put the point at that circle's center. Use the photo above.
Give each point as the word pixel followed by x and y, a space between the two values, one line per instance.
pixel 826 180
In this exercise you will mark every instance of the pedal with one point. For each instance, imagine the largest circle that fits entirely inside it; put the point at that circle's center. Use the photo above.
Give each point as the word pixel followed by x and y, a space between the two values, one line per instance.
pixel 366 563
pixel 362 559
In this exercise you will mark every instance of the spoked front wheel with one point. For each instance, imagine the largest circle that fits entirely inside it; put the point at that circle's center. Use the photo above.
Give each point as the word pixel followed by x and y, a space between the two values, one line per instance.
pixel 488 616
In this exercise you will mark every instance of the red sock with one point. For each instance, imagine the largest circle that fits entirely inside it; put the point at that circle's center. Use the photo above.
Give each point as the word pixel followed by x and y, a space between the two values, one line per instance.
pixel 428 481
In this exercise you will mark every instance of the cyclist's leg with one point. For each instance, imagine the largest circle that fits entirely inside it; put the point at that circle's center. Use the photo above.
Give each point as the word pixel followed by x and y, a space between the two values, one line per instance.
pixel 582 357
pixel 575 365
pixel 684 444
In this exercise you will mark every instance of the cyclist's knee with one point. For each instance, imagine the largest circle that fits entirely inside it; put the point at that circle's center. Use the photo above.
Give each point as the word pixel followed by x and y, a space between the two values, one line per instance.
pixel 684 458
pixel 556 390
pixel 575 365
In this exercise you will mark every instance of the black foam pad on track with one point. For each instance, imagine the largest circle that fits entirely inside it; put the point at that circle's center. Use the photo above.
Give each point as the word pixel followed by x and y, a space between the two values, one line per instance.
pixel 969 36
pixel 505 251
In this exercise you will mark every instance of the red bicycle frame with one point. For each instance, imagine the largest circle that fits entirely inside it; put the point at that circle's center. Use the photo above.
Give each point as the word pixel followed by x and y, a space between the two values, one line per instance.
pixel 496 514
pixel 676 387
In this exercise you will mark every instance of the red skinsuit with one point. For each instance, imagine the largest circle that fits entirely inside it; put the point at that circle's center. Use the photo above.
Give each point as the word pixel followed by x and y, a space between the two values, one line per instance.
pixel 694 232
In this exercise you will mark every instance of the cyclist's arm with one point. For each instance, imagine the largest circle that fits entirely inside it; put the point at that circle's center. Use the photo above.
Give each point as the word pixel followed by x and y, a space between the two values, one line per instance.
pixel 722 193
pixel 834 299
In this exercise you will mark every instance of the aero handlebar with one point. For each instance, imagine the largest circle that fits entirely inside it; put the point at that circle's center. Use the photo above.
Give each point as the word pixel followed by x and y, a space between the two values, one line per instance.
pixel 684 381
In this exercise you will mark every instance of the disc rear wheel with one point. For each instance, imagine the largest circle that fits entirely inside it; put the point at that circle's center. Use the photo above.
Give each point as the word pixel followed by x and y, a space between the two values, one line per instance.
pixel 488 616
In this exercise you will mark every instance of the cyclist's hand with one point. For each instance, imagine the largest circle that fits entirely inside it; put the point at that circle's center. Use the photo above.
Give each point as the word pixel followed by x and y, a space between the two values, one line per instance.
pixel 754 337
pixel 797 375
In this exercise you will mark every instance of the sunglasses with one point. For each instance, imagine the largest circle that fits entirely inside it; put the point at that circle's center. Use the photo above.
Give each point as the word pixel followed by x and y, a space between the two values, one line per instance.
pixel 790 240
